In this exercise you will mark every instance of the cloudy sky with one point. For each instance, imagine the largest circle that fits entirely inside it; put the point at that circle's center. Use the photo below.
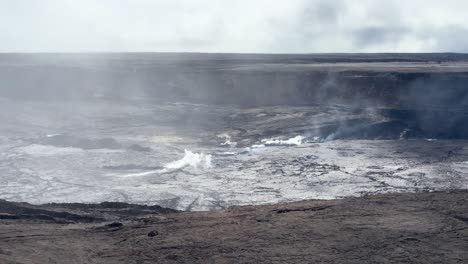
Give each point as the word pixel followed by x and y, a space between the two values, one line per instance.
pixel 253 26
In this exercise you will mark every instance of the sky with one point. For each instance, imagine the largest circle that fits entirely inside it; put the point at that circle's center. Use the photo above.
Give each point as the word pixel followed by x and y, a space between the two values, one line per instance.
pixel 234 26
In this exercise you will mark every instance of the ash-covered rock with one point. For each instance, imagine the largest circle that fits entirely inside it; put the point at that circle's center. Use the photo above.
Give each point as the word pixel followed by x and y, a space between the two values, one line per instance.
pixel 409 228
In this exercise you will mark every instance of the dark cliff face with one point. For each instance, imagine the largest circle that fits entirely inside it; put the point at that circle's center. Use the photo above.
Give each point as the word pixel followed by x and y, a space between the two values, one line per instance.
pixel 253 88
pixel 256 80
pixel 426 92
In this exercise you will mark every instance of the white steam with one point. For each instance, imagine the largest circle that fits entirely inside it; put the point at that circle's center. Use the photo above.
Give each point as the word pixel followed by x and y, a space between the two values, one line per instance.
pixel 297 140
pixel 330 137
pixel 227 140
pixel 190 159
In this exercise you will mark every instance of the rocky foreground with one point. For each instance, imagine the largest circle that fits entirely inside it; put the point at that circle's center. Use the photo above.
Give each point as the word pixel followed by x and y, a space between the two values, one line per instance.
pixel 390 228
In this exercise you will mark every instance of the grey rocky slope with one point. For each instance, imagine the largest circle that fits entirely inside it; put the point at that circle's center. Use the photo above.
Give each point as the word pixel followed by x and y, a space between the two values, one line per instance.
pixel 391 228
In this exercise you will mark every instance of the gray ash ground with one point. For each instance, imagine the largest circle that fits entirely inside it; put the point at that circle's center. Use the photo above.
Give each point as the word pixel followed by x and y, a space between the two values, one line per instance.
pixel 202 157
pixel 388 228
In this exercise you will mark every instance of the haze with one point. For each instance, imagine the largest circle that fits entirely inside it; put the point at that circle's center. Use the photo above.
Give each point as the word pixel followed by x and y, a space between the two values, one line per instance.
pixel 245 26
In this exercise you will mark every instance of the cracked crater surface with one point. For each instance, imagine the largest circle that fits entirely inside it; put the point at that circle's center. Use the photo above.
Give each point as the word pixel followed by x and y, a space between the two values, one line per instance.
pixel 127 152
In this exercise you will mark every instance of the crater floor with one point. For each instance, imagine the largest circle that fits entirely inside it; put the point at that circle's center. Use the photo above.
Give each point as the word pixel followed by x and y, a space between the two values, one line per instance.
pixel 203 157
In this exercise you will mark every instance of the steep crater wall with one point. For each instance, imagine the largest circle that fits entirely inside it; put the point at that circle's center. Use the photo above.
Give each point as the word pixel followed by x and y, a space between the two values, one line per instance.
pixel 241 87
pixel 429 99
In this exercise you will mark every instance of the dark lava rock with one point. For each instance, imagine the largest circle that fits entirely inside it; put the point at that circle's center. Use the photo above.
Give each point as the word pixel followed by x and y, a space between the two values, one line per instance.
pixel 114 225
pixel 116 208
pixel 11 210
pixel 153 233
pixel 172 257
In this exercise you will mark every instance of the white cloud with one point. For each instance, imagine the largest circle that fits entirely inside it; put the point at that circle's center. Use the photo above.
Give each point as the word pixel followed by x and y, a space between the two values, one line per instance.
pixel 233 26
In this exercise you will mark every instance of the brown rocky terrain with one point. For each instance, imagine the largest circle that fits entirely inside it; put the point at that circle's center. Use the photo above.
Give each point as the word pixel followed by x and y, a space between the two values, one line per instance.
pixel 391 228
